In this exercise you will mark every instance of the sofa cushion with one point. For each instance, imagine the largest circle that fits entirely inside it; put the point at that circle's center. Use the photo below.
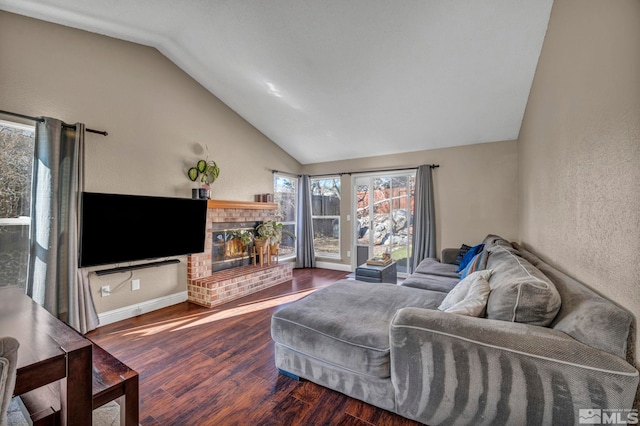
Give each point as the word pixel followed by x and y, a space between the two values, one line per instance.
pixel 432 266
pixel 431 282
pixel 473 251
pixel 469 296
pixel 433 275
pixel 449 255
pixel 478 263
pixel 491 241
pixel 519 291
pixel 347 323
pixel 586 315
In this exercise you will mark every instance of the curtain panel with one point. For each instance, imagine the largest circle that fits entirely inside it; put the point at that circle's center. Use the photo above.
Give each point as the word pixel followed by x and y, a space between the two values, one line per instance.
pixel 305 251
pixel 424 224
pixel 54 280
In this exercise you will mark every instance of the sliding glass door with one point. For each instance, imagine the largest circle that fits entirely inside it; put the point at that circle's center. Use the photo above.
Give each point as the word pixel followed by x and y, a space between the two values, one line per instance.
pixel 383 206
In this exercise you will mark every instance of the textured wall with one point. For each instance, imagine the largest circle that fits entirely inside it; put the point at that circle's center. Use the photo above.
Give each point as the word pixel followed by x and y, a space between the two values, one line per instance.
pixel 580 148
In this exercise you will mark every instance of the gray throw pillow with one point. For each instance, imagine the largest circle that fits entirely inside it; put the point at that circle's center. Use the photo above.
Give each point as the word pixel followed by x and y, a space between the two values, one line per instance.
pixel 463 250
pixel 520 292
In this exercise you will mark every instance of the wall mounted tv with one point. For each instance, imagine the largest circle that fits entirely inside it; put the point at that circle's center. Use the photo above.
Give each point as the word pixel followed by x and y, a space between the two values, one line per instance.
pixel 117 228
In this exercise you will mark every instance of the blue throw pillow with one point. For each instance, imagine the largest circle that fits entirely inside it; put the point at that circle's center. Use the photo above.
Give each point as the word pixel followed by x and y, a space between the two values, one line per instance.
pixel 478 263
pixel 470 255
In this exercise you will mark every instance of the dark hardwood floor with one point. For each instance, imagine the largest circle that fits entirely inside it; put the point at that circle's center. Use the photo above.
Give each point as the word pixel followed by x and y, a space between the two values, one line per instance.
pixel 202 366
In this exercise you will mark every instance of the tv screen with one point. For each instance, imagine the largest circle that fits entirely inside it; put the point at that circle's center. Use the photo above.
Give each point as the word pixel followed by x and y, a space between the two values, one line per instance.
pixel 118 228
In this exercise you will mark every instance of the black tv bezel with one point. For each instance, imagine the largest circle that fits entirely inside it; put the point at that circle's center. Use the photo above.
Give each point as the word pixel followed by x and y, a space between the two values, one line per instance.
pixel 149 201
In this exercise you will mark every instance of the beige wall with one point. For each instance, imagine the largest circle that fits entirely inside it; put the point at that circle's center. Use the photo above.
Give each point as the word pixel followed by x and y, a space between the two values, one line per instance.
pixel 475 190
pixel 580 148
pixel 155 115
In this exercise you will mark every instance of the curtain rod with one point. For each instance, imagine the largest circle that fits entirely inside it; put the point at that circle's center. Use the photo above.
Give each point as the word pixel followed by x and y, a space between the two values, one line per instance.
pixel 285 173
pixel 40 120
pixel 433 166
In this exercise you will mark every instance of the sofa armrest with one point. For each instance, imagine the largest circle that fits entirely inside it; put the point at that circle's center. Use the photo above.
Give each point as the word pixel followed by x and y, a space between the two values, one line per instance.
pixel 453 369
pixel 449 255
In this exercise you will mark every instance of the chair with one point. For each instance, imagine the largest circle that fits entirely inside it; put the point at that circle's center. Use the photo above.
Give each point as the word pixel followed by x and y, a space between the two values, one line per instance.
pixel 8 365
pixel 111 380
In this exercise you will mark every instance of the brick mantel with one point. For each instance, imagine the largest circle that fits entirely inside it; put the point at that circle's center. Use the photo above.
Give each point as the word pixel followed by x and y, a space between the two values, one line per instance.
pixel 199 265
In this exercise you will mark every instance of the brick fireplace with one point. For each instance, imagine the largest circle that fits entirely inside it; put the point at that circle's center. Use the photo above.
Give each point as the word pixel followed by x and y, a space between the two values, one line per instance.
pixel 208 288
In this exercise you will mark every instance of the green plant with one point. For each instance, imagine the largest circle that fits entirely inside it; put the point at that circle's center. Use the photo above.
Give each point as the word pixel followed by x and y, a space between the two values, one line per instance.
pixel 271 231
pixel 245 236
pixel 208 171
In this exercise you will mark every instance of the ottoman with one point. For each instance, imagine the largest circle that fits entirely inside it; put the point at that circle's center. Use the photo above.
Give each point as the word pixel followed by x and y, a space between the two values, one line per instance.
pixel 377 274
pixel 338 337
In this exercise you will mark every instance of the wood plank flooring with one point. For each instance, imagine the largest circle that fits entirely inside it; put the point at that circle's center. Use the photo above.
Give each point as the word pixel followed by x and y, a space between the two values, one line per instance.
pixel 201 366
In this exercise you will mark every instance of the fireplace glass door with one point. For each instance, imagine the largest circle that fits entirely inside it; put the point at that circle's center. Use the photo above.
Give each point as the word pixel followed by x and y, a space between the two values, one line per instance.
pixel 232 246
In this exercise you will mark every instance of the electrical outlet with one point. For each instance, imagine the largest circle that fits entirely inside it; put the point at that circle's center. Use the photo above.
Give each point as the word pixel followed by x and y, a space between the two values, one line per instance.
pixel 348 253
pixel 135 285
pixel 105 290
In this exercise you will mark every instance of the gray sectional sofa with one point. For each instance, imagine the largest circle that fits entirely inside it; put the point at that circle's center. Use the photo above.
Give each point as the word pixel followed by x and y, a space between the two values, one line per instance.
pixel 544 347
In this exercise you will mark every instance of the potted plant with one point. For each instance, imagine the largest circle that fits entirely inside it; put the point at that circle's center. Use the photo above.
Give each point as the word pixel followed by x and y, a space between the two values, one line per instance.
pixel 246 238
pixel 236 242
pixel 270 232
pixel 208 172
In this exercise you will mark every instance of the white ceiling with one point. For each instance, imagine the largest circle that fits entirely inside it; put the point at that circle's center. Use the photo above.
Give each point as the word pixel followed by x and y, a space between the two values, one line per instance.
pixel 337 79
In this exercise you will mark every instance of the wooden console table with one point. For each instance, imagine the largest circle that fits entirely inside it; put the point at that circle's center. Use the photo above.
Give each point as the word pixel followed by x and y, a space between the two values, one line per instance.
pixel 49 351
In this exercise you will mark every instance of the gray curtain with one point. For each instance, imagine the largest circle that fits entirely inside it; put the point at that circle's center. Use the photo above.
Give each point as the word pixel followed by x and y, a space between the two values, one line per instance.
pixel 424 224
pixel 305 252
pixel 54 280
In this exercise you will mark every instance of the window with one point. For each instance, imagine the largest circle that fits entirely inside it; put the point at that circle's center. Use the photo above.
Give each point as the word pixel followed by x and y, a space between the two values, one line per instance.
pixel 325 213
pixel 285 189
pixel 383 206
pixel 16 158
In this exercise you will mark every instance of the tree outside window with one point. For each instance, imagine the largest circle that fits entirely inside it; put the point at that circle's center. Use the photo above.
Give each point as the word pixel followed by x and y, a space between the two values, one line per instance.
pixel 16 158
pixel 285 194
pixel 325 213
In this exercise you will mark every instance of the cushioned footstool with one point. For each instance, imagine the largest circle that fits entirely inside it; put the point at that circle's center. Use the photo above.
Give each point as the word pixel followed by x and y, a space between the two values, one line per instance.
pixel 377 274
pixel 339 336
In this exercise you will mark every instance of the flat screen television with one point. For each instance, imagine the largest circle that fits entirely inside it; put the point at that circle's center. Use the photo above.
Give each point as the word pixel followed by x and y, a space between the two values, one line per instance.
pixel 116 228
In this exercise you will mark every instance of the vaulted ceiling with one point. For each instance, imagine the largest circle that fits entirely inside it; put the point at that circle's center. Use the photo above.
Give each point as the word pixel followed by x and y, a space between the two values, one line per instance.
pixel 339 79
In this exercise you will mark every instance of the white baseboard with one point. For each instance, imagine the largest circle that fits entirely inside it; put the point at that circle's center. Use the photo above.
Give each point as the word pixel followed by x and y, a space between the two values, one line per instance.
pixel 131 311
pixel 334 266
